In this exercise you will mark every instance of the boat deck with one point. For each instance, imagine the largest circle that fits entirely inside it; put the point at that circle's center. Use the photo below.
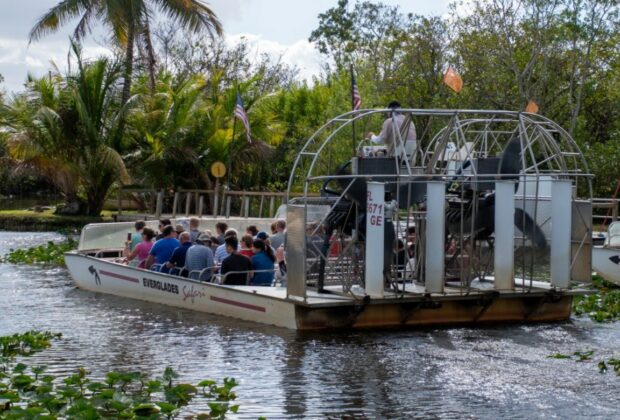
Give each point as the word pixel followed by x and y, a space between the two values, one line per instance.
pixel 334 295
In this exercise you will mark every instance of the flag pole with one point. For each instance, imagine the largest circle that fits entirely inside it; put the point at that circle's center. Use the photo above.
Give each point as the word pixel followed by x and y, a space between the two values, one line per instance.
pixel 230 152
pixel 353 109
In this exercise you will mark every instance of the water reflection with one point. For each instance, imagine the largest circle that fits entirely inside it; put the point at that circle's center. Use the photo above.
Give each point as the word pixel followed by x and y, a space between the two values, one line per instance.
pixel 440 373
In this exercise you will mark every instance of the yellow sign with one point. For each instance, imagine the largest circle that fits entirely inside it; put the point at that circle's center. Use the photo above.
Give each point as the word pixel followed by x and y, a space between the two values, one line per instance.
pixel 218 169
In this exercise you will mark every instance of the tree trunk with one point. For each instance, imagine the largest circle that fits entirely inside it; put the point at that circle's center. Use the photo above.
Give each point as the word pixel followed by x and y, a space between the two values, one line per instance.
pixel 95 201
pixel 131 33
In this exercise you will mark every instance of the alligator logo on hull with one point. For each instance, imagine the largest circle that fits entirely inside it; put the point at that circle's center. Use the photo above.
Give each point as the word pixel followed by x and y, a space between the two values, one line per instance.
pixel 92 270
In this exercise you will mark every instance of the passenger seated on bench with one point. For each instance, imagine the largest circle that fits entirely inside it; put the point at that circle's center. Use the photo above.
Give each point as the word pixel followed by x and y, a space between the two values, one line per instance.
pixel 221 251
pixel 177 260
pixel 136 237
pixel 220 229
pixel 235 262
pixel 246 246
pixel 200 256
pixel 194 231
pixel 391 139
pixel 262 261
pixel 251 230
pixel 141 251
pixel 162 249
pixel 162 225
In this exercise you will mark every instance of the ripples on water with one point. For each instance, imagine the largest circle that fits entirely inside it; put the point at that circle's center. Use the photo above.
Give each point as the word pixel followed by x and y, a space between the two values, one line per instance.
pixel 437 373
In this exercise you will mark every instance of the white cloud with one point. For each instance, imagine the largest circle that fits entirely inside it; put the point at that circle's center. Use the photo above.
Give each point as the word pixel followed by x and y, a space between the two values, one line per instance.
pixel 33 62
pixel 228 10
pixel 301 54
pixel 18 59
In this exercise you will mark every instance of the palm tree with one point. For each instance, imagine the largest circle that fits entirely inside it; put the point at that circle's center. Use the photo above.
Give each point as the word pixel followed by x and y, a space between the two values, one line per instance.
pixel 66 129
pixel 168 132
pixel 37 140
pixel 129 22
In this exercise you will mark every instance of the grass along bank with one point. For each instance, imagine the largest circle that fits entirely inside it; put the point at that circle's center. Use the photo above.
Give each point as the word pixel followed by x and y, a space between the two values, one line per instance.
pixel 31 221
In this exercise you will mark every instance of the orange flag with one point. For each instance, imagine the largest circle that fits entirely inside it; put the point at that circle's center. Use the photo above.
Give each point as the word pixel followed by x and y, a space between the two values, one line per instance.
pixel 453 80
pixel 532 107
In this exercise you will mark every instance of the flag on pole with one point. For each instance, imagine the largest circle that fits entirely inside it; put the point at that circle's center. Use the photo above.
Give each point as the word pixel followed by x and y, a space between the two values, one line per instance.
pixel 453 80
pixel 532 107
pixel 356 98
pixel 241 115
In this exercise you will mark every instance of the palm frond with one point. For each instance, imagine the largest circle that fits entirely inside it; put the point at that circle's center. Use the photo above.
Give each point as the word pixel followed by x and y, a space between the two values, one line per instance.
pixel 58 15
pixel 191 14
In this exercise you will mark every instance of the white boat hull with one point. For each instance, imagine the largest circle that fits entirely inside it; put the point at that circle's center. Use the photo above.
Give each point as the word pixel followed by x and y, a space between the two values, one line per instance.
pixel 606 262
pixel 105 276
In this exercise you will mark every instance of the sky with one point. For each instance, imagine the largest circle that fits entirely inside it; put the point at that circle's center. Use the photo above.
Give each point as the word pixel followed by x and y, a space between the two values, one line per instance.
pixel 278 27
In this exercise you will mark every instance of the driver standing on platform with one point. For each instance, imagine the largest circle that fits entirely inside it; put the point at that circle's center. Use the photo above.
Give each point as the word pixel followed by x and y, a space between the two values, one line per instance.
pixel 388 137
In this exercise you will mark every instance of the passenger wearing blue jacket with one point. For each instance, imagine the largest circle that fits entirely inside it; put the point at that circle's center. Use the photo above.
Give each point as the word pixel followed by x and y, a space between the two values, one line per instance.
pixel 263 259
pixel 162 249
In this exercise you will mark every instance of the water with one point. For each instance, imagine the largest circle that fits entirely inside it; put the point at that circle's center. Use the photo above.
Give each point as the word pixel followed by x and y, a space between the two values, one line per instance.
pixel 434 373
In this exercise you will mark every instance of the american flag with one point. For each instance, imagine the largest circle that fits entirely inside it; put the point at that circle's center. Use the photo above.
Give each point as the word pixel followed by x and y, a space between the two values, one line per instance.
pixel 240 113
pixel 356 98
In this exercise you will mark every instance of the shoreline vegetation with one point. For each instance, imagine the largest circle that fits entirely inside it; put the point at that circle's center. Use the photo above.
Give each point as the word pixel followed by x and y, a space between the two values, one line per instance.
pixel 51 254
pixel 163 107
pixel 32 221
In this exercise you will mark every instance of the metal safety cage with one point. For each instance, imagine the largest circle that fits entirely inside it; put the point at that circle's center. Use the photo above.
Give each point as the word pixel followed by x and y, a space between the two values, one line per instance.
pixel 499 178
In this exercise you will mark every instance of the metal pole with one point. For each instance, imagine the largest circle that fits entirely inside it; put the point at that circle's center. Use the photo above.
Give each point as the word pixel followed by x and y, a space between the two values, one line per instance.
pixel 230 153
pixel 561 214
pixel 435 237
pixel 504 235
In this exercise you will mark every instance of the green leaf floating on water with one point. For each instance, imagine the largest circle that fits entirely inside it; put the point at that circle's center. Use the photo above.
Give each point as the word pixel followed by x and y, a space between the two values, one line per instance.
pixel 144 410
pixel 584 355
pixel 603 306
pixel 559 356
pixel 26 395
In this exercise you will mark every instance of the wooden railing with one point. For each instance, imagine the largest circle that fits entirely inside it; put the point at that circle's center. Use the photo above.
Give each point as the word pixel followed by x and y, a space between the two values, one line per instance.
pixel 199 202
pixel 604 217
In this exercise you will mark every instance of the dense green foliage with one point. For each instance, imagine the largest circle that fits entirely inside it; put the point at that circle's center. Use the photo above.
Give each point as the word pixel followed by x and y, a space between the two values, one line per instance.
pixel 28 393
pixel 49 254
pixel 178 119
pixel 603 306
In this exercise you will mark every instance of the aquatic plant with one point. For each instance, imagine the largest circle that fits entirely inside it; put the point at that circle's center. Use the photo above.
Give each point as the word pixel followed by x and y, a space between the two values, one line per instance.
pixel 602 306
pixel 25 392
pixel 588 355
pixel 49 254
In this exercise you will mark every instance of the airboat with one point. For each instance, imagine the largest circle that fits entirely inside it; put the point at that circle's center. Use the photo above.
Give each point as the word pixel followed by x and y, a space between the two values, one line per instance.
pixel 486 218
pixel 606 257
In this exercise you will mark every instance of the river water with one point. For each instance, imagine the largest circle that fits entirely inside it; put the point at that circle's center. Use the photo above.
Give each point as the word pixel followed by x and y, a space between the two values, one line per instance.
pixel 434 373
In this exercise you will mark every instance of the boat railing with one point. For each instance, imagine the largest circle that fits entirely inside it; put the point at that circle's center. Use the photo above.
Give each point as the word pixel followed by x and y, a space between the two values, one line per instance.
pixel 206 274
pixel 221 278
pixel 211 275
